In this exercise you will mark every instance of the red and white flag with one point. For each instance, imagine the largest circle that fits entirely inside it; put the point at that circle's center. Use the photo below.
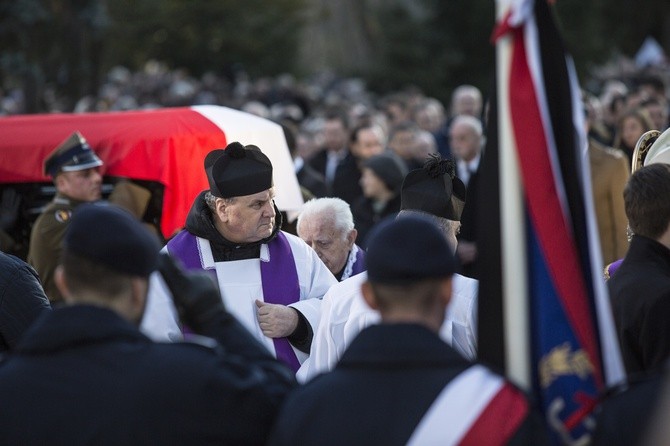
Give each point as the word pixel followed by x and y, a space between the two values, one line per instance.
pixel 165 145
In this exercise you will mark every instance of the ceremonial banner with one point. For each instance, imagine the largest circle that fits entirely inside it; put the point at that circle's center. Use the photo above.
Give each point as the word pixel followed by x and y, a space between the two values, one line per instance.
pixel 544 311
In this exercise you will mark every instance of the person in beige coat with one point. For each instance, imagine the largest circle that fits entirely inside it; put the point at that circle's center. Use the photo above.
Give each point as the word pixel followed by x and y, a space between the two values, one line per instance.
pixel 610 170
pixel 609 173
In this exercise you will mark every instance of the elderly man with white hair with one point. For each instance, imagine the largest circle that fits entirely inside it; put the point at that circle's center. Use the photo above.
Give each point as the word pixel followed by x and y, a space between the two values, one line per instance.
pixel 466 100
pixel 467 141
pixel 327 225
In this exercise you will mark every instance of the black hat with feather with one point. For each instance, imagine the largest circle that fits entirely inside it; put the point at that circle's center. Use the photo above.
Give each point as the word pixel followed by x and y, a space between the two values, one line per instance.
pixel 434 189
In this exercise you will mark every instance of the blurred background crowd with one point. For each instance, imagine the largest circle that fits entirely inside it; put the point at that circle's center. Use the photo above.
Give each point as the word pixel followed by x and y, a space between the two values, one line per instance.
pixel 65 55
pixel 347 80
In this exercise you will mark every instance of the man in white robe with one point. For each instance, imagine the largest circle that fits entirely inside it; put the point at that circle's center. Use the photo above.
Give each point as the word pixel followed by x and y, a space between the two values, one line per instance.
pixel 433 190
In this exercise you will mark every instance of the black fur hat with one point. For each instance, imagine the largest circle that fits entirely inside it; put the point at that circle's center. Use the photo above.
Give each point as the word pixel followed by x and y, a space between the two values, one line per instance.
pixel 238 170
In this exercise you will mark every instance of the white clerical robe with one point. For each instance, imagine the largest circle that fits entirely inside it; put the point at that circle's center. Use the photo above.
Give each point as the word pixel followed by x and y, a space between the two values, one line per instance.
pixel 240 284
pixel 344 314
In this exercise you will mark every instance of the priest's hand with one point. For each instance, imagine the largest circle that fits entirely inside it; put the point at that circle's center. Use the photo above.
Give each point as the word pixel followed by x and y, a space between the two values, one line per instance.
pixel 275 320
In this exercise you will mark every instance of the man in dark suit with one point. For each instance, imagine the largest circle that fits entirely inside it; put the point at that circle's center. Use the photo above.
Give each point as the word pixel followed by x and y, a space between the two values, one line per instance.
pixel 84 374
pixel 640 289
pixel 398 383
pixel 366 140
pixel 466 138
pixel 335 136
pixel 465 100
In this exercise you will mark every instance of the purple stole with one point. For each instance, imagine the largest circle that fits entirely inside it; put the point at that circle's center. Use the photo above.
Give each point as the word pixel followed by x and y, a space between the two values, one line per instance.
pixel 611 268
pixel 279 278
pixel 359 265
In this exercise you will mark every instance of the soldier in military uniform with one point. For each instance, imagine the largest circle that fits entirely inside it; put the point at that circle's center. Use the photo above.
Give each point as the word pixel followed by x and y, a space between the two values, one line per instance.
pixel 74 167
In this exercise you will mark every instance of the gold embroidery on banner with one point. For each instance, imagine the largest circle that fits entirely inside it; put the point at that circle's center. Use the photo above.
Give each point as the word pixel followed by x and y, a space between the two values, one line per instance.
pixel 562 361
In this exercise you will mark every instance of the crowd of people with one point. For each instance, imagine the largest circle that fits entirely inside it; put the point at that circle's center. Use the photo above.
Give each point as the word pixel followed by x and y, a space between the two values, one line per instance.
pixel 368 299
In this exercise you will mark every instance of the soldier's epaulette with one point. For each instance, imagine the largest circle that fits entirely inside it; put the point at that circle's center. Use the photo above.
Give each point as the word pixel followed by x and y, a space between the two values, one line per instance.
pixel 62 215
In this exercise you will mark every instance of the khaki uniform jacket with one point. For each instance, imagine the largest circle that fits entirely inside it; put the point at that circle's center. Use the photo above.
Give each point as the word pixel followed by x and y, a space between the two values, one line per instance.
pixel 610 170
pixel 45 242
pixel 49 229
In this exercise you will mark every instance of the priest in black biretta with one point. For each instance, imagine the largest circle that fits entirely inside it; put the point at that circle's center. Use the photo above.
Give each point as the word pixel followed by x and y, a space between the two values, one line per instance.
pixel 434 189
pixel 238 170
pixel 270 280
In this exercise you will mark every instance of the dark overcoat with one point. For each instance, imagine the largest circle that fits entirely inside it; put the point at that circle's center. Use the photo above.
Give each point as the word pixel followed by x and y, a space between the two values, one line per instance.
pixel 83 375
pixel 381 389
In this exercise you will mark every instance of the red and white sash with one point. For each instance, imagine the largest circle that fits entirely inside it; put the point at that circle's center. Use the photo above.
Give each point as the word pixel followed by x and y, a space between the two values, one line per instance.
pixel 477 407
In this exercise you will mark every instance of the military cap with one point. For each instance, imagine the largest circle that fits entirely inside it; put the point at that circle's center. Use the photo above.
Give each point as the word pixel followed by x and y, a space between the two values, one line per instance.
pixel 109 235
pixel 406 250
pixel 71 155
pixel 434 189
pixel 238 170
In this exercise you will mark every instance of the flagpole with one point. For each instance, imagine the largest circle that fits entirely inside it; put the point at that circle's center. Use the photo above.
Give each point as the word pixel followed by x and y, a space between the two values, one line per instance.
pixel 513 226
pixel 613 369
